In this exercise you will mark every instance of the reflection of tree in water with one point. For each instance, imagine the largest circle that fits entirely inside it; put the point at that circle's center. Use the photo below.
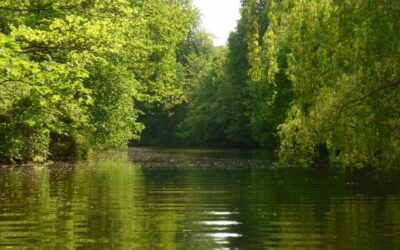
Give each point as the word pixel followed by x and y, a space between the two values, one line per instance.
pixel 303 209
pixel 109 202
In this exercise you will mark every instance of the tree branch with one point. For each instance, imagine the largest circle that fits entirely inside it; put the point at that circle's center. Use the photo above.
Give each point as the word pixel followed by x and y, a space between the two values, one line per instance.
pixel 36 9
pixel 364 97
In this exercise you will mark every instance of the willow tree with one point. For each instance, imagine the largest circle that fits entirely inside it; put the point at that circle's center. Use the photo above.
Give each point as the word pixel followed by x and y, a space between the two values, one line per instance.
pixel 345 72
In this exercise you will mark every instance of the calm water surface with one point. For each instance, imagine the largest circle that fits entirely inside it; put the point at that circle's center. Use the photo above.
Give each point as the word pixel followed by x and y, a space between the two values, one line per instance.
pixel 196 199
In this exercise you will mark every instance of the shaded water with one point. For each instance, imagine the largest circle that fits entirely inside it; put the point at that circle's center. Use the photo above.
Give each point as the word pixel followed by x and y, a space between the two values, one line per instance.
pixel 191 199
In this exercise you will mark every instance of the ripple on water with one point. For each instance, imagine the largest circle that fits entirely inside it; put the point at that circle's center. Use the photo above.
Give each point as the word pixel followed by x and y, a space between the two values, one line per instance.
pixel 193 200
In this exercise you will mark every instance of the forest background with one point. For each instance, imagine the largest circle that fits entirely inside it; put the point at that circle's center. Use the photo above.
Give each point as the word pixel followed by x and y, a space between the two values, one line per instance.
pixel 306 79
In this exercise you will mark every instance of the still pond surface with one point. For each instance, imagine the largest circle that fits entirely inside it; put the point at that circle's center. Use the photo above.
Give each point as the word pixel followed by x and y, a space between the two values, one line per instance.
pixel 196 199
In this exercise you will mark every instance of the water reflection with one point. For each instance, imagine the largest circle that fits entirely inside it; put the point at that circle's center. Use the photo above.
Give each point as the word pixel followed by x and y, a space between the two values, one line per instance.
pixel 169 200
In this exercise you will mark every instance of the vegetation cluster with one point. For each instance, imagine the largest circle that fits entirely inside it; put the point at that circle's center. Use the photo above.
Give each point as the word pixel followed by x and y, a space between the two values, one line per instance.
pixel 305 78
pixel 76 74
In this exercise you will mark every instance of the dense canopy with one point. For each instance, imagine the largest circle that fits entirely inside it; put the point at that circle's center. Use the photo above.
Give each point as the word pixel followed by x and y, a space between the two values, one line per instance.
pixel 311 79
pixel 308 79
pixel 73 72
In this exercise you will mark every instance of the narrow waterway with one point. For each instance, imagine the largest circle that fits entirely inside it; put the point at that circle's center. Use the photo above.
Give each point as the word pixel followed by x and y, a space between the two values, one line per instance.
pixel 196 199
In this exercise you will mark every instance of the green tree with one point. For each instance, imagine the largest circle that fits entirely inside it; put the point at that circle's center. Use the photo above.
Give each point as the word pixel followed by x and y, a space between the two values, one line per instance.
pixel 204 123
pixel 344 68
pixel 73 72
pixel 194 56
pixel 241 105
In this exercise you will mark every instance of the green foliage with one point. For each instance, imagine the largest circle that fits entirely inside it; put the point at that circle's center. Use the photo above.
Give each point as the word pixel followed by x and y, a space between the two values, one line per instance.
pixel 306 77
pixel 344 68
pixel 72 72
pixel 113 114
pixel 204 125
pixel 218 115
pixel 163 123
pixel 312 78
pixel 37 99
pixel 235 105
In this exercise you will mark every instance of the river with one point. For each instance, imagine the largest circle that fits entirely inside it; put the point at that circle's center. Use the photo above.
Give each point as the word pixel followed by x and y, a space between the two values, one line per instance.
pixel 196 199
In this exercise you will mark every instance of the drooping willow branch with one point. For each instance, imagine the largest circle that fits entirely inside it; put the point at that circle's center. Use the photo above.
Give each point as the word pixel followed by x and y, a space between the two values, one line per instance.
pixel 364 97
